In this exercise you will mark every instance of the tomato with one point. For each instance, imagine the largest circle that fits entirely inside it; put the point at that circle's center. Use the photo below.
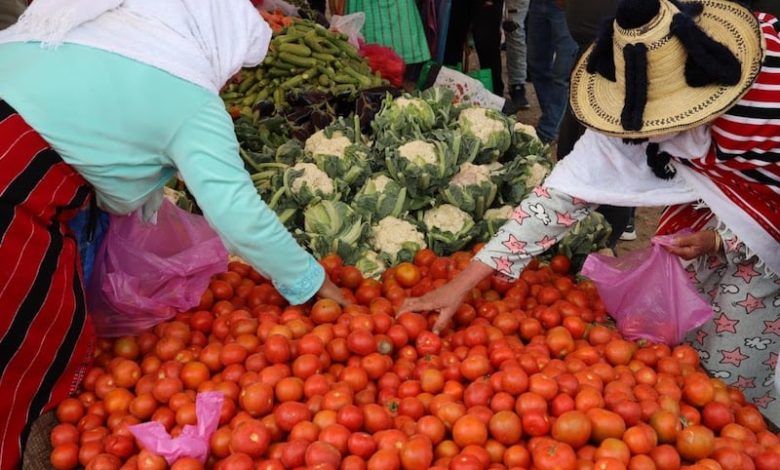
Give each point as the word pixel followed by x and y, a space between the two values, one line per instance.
pixel 665 457
pixel 384 459
pixel 250 437
pixel 666 425
pixel 70 410
pixel 65 456
pixel 560 264
pixel 325 311
pixel 551 455
pixel 606 424
pixel 767 460
pixel 573 428
pixel 413 323
pixel 535 423
pixel 407 274
pixel 428 343
pixel 698 389
pixel 695 442
pixel 469 430
pixel 187 463
pixel 290 413
pixel 505 427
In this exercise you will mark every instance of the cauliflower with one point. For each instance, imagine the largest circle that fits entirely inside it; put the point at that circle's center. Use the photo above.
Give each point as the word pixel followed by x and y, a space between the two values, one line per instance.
pixel 371 264
pixel 535 174
pixel 471 174
pixel 471 190
pixel 312 177
pixel 480 124
pixel 526 129
pixel 499 213
pixel 380 182
pixel 446 218
pixel 449 228
pixel 419 152
pixel 403 115
pixel 396 239
pixel 320 144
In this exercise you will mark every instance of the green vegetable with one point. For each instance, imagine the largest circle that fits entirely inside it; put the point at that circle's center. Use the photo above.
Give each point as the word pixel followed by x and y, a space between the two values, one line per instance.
pixel 380 197
pixel 333 227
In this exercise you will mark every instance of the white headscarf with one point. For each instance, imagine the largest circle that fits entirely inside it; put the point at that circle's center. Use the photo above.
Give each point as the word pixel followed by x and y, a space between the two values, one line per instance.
pixel 202 41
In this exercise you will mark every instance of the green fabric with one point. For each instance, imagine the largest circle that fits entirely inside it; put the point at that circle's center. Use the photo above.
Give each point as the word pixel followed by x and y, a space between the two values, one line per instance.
pixel 396 24
pixel 128 128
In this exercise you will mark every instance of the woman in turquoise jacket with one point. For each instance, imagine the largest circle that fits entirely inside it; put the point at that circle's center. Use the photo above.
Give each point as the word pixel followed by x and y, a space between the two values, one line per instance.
pixel 110 99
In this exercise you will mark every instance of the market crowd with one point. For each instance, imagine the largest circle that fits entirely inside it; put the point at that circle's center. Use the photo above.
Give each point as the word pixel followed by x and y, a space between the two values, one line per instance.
pixel 715 168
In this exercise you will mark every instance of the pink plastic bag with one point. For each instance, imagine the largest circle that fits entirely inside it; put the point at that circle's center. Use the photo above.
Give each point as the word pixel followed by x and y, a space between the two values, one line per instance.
pixel 145 273
pixel 193 440
pixel 648 293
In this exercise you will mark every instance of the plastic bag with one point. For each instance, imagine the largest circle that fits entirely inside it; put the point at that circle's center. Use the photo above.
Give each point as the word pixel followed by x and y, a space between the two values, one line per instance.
pixel 89 227
pixel 193 440
pixel 468 90
pixel 648 293
pixel 145 273
pixel 385 61
pixel 351 25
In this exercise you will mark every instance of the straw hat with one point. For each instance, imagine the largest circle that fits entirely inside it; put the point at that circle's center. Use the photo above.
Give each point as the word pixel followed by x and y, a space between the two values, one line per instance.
pixel 666 65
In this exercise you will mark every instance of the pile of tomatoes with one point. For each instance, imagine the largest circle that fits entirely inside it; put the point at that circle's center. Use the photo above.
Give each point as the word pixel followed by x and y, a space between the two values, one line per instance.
pixel 528 377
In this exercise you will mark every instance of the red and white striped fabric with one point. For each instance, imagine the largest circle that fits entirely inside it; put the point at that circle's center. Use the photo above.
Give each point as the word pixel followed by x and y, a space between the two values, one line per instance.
pixel 744 160
pixel 44 331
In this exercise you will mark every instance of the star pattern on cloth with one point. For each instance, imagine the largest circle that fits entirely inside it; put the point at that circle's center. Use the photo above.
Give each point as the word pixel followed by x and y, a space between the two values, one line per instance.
pixel 514 245
pixel 519 215
pixel 764 400
pixel 577 201
pixel 692 276
pixel 746 272
pixel 565 219
pixel 503 264
pixel 713 292
pixel 751 303
pixel 772 361
pixel 734 357
pixel 700 335
pixel 714 262
pixel 772 327
pixel 541 191
pixel 724 324
pixel 745 382
pixel 546 243
pixel 732 244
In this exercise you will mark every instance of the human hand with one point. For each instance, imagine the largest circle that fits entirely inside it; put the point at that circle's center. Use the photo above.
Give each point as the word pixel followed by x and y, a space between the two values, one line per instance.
pixel 445 300
pixel 329 290
pixel 695 245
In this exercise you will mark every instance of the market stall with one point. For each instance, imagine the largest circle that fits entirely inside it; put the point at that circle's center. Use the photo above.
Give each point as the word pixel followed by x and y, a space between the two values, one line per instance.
pixel 394 191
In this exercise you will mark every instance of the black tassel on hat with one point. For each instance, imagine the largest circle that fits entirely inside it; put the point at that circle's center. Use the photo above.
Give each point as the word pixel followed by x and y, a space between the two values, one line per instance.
pixel 709 62
pixel 635 56
pixel 660 162
pixel 601 59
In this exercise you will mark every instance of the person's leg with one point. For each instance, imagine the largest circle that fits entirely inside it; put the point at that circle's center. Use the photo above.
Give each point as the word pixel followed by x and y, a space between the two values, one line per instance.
pixel 565 50
pixel 618 220
pixel 629 233
pixel 516 51
pixel 456 34
pixel 540 56
pixel 486 28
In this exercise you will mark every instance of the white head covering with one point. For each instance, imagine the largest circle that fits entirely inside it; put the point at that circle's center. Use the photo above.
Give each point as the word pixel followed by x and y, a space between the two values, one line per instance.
pixel 202 41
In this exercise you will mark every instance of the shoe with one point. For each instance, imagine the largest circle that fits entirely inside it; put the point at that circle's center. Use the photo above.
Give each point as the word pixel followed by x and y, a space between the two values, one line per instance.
pixel 629 234
pixel 517 95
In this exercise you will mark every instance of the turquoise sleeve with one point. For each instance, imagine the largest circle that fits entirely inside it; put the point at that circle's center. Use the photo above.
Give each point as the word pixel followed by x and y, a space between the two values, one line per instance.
pixel 205 152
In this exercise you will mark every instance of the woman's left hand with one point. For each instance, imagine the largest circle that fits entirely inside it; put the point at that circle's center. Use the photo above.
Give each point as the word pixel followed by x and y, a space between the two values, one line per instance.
pixel 329 290
pixel 695 245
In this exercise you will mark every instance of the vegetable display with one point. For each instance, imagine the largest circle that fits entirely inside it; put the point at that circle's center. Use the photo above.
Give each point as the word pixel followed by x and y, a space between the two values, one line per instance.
pixel 527 377
pixel 422 163
pixel 302 56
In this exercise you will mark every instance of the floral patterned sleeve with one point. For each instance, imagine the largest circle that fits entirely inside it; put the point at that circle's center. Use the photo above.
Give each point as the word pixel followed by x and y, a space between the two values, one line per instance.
pixel 539 222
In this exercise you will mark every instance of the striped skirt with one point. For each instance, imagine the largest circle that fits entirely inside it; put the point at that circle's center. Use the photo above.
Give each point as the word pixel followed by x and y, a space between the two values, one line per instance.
pixel 45 337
